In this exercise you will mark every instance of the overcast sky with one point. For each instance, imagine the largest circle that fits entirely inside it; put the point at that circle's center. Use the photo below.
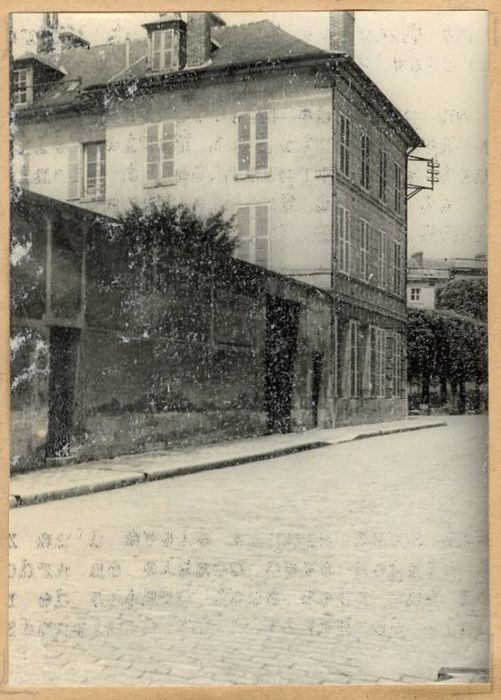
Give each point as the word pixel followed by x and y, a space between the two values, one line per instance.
pixel 432 65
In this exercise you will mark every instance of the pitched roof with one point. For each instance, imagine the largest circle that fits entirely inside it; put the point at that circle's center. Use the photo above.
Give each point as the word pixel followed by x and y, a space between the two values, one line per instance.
pixel 238 44
pixel 257 43
pixel 435 264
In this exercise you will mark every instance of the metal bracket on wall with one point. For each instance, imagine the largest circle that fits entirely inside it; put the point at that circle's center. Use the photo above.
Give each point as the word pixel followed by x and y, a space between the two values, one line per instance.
pixel 432 173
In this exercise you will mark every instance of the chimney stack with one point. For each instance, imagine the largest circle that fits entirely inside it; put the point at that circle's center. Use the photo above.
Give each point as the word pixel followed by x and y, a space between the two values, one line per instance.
pixel 198 37
pixel 342 32
pixel 47 34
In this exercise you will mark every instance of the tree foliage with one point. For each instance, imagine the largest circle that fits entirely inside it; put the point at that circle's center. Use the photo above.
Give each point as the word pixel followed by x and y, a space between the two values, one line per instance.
pixel 166 225
pixel 446 345
pixel 467 297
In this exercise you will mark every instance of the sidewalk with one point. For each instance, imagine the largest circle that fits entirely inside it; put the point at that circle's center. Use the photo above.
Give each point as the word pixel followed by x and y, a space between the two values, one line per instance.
pixel 102 475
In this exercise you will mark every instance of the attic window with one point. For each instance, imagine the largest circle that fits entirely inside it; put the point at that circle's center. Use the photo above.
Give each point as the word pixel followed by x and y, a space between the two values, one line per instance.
pixel 164 50
pixel 21 86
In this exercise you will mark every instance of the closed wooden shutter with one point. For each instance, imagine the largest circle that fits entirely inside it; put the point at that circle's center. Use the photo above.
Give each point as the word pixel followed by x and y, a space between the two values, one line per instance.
pixel 262 234
pixel 243 251
pixel 74 171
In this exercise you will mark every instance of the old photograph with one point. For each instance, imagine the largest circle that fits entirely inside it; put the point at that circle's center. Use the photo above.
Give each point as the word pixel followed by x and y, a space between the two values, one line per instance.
pixel 248 348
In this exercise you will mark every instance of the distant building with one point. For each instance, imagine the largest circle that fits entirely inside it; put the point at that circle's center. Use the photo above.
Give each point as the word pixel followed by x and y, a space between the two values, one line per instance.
pixel 426 275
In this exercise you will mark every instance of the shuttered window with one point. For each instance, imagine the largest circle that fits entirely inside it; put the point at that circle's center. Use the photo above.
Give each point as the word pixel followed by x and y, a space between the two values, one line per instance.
pixel 353 358
pixel 253 225
pixel 253 142
pixel 364 170
pixel 397 268
pixel 160 151
pixel 344 145
pixel 364 250
pixel 164 50
pixel 397 195
pixel 398 364
pixel 383 174
pixel 381 259
pixel 343 239
pixel 74 171
pixel 377 362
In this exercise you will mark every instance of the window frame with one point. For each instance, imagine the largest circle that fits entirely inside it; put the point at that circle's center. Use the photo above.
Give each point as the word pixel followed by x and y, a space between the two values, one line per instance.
pixel 397 284
pixel 253 143
pixel 383 175
pixel 100 194
pixel 17 89
pixel 415 294
pixel 344 144
pixel 382 267
pixel 364 249
pixel 353 359
pixel 365 162
pixel 377 371
pixel 343 236
pixel 162 51
pixel 160 179
pixel 397 192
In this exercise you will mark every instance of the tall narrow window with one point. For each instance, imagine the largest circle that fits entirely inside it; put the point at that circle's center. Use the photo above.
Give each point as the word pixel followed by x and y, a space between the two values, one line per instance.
pixel 354 373
pixel 383 174
pixel 164 50
pixel 343 239
pixel 20 86
pixel 74 171
pixel 253 143
pixel 390 364
pixel 397 268
pixel 95 170
pixel 397 198
pixel 364 172
pixel 364 250
pixel 253 224
pixel 398 364
pixel 160 151
pixel 377 362
pixel 381 259
pixel 344 145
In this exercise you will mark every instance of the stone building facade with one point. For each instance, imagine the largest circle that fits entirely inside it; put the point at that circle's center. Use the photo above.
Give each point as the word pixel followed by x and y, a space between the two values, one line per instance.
pixel 296 142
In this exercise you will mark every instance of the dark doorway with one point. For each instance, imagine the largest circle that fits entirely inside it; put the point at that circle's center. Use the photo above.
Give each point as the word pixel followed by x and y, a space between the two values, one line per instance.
pixel 280 349
pixel 316 379
pixel 63 351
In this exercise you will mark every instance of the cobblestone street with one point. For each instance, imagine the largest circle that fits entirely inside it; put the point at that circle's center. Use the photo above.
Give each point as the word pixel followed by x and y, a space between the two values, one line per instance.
pixel 354 563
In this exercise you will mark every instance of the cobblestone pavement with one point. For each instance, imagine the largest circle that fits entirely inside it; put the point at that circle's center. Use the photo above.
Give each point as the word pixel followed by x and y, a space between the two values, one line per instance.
pixel 355 563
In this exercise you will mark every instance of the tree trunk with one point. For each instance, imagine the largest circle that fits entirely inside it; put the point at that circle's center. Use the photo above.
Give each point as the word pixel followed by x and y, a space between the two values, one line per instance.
pixel 462 398
pixel 425 389
pixel 443 391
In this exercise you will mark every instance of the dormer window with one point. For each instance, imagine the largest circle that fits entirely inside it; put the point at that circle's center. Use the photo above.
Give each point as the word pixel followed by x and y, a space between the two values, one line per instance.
pixel 164 50
pixel 167 43
pixel 21 92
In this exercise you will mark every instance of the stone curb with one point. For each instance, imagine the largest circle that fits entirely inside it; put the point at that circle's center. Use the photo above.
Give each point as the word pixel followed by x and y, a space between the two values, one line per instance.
pixel 17 501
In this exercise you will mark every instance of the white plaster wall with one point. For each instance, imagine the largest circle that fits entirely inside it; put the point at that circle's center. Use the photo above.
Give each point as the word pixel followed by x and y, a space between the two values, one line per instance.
pixel 426 297
pixel 300 152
